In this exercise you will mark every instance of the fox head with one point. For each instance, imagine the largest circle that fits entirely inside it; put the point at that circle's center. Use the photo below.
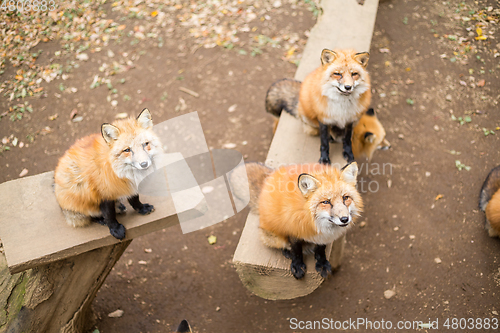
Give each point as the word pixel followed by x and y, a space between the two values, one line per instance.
pixel 332 197
pixel 368 135
pixel 132 143
pixel 344 73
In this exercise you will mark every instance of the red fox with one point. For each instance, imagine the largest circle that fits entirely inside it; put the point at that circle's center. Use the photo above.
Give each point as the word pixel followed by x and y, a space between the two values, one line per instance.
pixel 302 205
pixel 101 169
pixel 333 97
pixel 368 134
pixel 489 202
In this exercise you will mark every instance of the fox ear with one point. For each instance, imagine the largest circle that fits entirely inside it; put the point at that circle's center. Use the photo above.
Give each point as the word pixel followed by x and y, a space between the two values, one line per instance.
pixel 307 184
pixel 369 137
pixel 184 327
pixel 110 133
pixel 362 58
pixel 349 173
pixel 328 56
pixel 145 120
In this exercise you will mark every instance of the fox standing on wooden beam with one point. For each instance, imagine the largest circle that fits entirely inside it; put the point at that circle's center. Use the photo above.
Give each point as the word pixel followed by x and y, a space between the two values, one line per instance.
pixel 332 98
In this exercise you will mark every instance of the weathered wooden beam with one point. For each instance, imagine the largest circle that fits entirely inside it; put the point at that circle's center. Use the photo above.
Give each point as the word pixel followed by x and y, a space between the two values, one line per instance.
pixel 264 271
pixel 34 232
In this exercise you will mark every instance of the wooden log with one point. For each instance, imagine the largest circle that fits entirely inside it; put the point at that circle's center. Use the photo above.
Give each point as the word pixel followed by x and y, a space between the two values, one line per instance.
pixel 264 271
pixel 34 231
pixel 55 297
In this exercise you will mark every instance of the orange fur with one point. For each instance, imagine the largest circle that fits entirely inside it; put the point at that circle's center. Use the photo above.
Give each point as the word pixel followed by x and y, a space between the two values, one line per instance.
pixel 320 96
pixel 493 214
pixel 95 169
pixel 286 212
pixel 367 136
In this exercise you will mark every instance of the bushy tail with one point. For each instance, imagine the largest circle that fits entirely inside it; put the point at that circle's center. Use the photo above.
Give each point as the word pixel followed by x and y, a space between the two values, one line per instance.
pixel 249 180
pixel 491 186
pixel 283 95
pixel 75 219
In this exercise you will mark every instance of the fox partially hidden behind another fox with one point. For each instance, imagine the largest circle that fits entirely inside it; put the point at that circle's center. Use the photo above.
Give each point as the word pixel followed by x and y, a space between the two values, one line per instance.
pixel 331 99
pixel 489 202
pixel 299 205
pixel 101 169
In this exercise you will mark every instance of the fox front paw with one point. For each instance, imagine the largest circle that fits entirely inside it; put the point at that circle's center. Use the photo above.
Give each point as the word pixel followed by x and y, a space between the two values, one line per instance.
pixel 298 269
pixel 146 209
pixel 348 156
pixel 324 160
pixel 118 231
pixel 324 268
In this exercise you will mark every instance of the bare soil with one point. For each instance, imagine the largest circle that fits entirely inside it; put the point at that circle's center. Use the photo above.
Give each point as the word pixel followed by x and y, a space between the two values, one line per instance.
pixel 421 235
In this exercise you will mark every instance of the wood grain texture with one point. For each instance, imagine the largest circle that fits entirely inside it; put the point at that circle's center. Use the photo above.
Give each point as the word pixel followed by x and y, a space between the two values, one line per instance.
pixel 33 229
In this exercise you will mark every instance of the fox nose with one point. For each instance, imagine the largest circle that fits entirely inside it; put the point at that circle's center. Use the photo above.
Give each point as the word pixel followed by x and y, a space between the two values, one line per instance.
pixel 347 88
pixel 344 219
pixel 144 165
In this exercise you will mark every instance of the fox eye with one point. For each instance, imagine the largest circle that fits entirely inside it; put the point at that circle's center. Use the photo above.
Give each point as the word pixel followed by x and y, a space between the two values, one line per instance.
pixel 345 197
pixel 326 202
pixel 126 150
pixel 337 74
pixel 146 143
pixel 355 75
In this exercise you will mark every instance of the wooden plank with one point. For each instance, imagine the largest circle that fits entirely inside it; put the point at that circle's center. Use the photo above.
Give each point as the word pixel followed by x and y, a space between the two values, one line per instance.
pixel 264 271
pixel 33 229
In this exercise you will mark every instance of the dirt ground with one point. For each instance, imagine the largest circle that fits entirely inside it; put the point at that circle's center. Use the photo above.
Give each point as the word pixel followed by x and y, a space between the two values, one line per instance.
pixel 421 235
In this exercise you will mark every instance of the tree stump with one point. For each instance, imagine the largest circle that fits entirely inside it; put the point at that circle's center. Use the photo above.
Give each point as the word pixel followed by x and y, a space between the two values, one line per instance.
pixel 55 297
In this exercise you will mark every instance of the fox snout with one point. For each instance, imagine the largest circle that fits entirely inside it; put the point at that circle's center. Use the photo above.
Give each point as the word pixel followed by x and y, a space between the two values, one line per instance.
pixel 143 165
pixel 341 221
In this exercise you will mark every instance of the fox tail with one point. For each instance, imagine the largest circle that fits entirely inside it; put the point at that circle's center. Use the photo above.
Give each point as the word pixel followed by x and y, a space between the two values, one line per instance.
pixel 283 95
pixel 246 183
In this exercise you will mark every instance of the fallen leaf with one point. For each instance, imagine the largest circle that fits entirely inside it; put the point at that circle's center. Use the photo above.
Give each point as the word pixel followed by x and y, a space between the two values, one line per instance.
pixel 389 293
pixel 481 83
pixel 121 115
pixel 23 173
pixel 212 239
pixel 439 196
pixel 116 314
pixel 73 113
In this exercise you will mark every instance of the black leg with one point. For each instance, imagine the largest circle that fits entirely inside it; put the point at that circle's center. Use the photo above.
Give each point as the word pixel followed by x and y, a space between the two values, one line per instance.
pixel 109 219
pixel 297 267
pixel 347 144
pixel 143 209
pixel 324 136
pixel 322 265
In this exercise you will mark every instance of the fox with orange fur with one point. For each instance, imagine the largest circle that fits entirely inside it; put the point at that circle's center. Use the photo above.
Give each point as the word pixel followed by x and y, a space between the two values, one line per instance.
pixel 332 98
pixel 99 170
pixel 367 136
pixel 489 202
pixel 303 205
pixel 368 133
